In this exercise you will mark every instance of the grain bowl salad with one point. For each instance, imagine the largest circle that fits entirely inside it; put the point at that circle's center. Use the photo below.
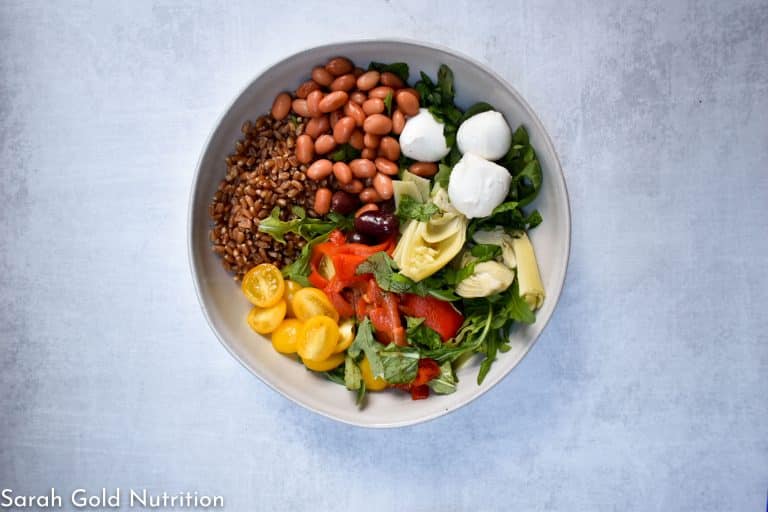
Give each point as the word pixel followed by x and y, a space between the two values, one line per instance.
pixel 379 231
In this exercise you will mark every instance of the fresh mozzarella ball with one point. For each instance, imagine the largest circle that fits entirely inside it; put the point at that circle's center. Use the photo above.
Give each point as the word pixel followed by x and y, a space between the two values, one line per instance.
pixel 486 134
pixel 477 186
pixel 422 138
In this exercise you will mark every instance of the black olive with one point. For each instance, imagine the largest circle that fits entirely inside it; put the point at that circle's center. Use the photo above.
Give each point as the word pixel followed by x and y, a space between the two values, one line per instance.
pixel 387 206
pixel 359 238
pixel 344 202
pixel 376 224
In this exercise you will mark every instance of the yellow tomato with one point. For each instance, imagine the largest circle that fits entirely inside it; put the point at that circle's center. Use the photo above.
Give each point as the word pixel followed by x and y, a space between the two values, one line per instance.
pixel 371 383
pixel 346 335
pixel 263 285
pixel 317 338
pixel 266 320
pixel 328 364
pixel 291 287
pixel 311 302
pixel 286 335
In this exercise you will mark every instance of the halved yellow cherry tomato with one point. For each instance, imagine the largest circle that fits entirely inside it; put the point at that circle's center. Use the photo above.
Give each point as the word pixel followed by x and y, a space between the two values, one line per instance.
pixel 311 302
pixel 286 335
pixel 328 364
pixel 266 320
pixel 263 285
pixel 346 335
pixel 371 383
pixel 317 338
pixel 291 287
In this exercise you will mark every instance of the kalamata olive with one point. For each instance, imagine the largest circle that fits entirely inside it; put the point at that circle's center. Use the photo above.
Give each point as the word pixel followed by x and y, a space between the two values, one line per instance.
pixel 387 206
pixel 359 238
pixel 344 202
pixel 376 224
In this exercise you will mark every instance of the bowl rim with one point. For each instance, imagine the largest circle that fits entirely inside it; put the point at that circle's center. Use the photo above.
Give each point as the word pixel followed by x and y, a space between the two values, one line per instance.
pixel 547 142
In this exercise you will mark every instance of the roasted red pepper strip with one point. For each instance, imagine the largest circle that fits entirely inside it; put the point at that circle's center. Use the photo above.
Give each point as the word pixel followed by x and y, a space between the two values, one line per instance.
pixel 438 315
pixel 344 288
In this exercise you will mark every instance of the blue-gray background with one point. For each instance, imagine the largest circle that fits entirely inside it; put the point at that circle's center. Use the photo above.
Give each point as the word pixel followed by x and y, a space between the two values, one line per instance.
pixel 648 391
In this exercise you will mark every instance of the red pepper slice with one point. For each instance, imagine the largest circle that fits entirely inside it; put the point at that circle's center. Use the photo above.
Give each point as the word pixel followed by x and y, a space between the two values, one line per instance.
pixel 438 315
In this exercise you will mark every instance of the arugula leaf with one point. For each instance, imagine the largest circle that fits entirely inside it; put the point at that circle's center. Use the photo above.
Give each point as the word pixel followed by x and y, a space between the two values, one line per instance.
pixel 514 307
pixel 445 83
pixel 485 252
pixel 398 68
pixel 401 364
pixel 276 227
pixel 388 102
pixel 345 153
pixel 364 343
pixel 299 270
pixel 420 335
pixel 475 109
pixel 306 227
pixel 445 383
pixel 443 175
pixel 443 294
pixel 412 209
pixel 336 375
pixel 360 398
pixel 493 344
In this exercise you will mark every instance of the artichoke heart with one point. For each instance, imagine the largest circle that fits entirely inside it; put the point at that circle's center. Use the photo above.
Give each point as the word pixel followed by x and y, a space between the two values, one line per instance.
pixel 418 258
pixel 488 278
pixel 441 227
pixel 497 236
pixel 441 200
pixel 529 279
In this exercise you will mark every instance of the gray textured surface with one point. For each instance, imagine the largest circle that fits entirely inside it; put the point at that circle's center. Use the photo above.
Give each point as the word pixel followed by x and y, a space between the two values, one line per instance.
pixel 647 391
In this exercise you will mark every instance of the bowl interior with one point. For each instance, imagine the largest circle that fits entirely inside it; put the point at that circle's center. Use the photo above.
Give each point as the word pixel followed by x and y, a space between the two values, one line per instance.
pixel 225 307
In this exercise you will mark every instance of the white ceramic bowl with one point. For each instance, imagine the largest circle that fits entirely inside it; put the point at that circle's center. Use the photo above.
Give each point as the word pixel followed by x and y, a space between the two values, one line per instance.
pixel 220 297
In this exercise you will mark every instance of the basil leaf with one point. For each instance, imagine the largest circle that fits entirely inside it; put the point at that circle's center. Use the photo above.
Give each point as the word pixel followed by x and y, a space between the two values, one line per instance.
pixel 443 175
pixel 534 219
pixel 454 276
pixel 412 209
pixel 422 336
pixel 475 109
pixel 398 68
pixel 353 378
pixel 345 153
pixel 388 103
pixel 445 383
pixel 529 182
pixel 401 364
pixel 364 343
pixel 485 252
pixel 384 270
pixel 504 207
pixel 520 137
